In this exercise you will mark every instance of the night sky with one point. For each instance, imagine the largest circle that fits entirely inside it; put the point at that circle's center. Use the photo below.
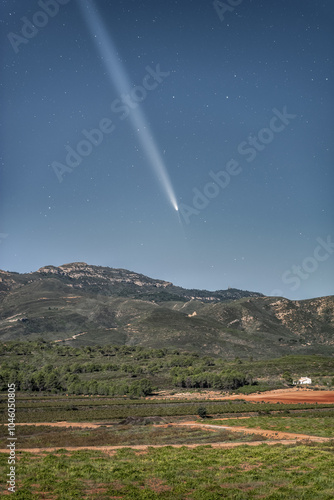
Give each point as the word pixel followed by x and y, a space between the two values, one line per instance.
pixel 187 141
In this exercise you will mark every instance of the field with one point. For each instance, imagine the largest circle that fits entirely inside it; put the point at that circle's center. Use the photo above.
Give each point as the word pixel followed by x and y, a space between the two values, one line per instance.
pixel 313 423
pixel 45 436
pixel 169 457
pixel 202 473
pixel 123 422
pixel 97 409
pixel 293 396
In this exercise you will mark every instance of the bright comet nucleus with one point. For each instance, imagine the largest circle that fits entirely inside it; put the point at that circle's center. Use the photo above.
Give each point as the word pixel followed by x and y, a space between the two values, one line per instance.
pixel 122 83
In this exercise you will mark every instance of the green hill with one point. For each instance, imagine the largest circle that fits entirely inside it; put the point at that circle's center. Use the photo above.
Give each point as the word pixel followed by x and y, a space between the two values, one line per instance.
pixel 80 304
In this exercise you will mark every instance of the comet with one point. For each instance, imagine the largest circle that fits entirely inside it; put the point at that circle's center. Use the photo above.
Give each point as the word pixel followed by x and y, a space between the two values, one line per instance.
pixel 118 76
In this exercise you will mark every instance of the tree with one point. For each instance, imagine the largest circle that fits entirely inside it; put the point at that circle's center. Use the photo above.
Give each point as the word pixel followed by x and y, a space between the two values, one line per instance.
pixel 52 381
pixel 40 380
pixel 287 377
pixel 140 388
pixel 202 412
pixel 232 380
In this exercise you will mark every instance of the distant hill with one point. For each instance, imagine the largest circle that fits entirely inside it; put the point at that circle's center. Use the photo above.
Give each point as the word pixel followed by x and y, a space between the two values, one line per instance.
pixel 82 304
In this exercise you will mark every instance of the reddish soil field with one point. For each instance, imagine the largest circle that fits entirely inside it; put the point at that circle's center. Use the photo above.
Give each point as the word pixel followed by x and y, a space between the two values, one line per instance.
pixel 292 396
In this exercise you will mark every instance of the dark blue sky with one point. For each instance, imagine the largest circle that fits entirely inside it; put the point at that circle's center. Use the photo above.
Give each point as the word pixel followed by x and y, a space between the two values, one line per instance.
pixel 235 108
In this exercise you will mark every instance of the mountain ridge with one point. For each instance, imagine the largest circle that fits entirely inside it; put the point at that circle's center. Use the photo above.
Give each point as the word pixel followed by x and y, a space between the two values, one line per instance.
pixel 80 304
pixel 104 275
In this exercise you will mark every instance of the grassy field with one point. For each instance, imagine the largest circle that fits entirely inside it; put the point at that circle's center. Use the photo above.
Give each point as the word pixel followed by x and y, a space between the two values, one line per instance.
pixel 203 473
pixel 88 384
pixel 314 424
pixel 95 409
pixel 116 435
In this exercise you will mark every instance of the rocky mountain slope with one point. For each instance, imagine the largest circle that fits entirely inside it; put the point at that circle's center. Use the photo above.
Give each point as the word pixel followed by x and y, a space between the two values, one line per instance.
pixel 82 304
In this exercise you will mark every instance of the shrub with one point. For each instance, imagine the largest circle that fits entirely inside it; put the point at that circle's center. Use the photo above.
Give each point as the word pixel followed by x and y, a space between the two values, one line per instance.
pixel 265 411
pixel 202 412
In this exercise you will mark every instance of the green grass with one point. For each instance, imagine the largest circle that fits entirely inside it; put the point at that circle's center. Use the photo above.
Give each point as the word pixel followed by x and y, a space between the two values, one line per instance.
pixel 118 435
pixel 109 411
pixel 319 425
pixel 203 473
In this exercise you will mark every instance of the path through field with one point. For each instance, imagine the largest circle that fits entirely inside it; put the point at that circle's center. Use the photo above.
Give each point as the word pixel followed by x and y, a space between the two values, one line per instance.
pixel 263 432
pixel 277 438
pixel 145 447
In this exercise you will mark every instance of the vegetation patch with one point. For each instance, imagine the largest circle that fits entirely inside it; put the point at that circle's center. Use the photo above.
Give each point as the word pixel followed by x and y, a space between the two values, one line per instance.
pixel 50 368
pixel 203 473
pixel 119 435
pixel 313 424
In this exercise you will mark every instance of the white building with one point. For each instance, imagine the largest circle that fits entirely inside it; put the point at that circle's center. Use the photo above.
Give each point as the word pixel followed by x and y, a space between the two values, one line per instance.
pixel 303 381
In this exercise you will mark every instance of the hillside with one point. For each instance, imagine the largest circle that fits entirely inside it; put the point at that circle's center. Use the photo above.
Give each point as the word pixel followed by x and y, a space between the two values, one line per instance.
pixel 82 304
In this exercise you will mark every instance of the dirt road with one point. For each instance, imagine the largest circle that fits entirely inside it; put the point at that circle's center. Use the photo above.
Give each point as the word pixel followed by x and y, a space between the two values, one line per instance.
pixel 263 432
pixel 145 447
pixel 81 425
